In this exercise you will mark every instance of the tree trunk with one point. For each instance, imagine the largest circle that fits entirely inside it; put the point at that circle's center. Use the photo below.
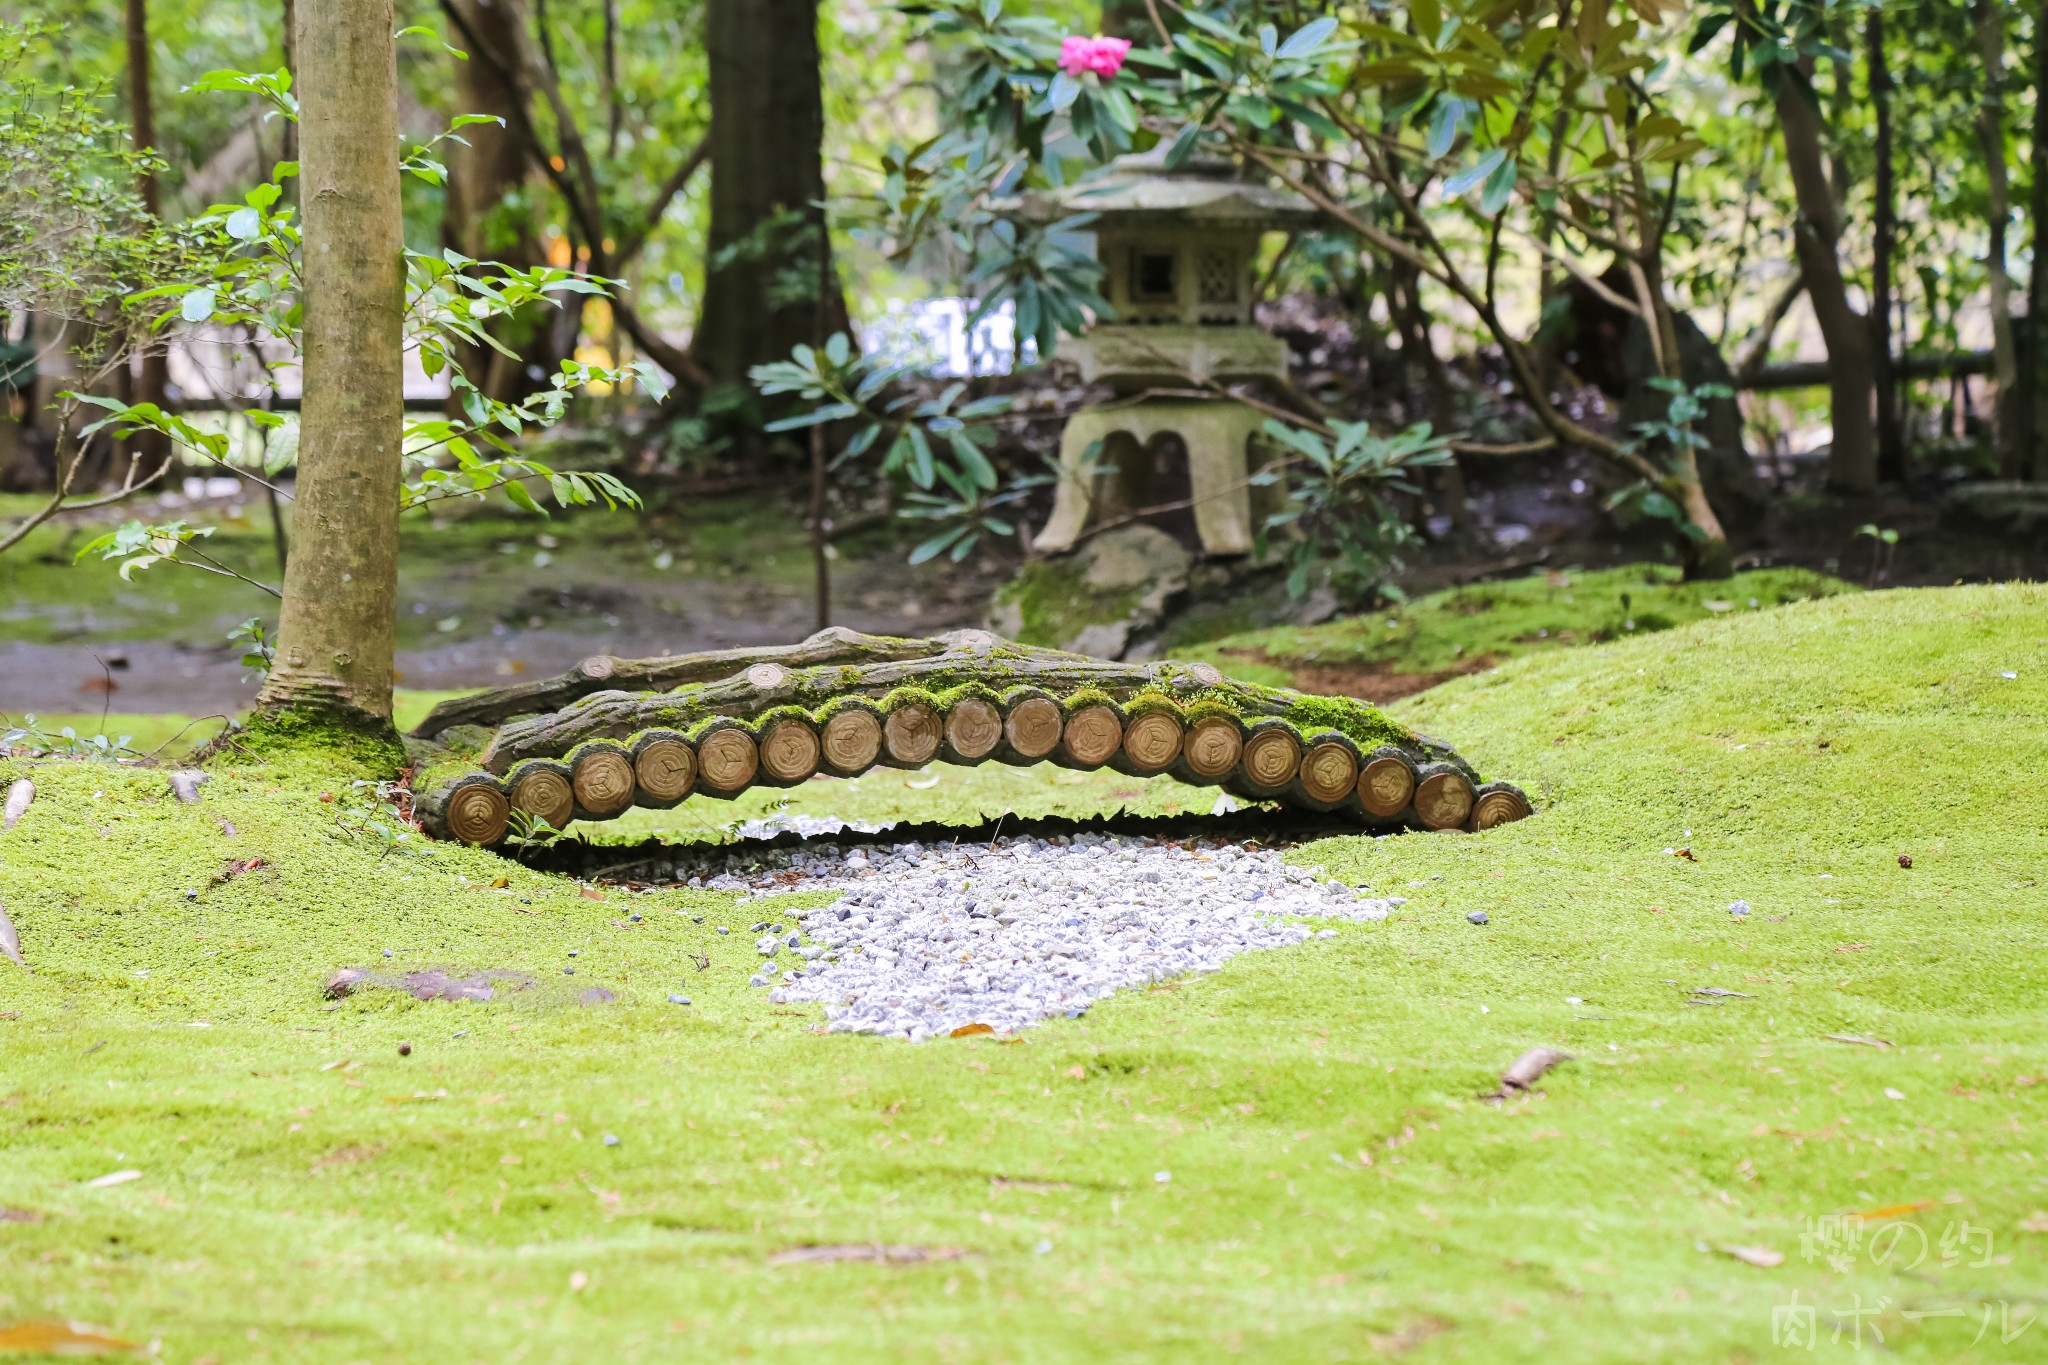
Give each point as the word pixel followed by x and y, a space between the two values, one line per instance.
pixel 2037 276
pixel 2012 450
pixel 153 447
pixel 767 132
pixel 334 645
pixel 1891 438
pixel 1852 461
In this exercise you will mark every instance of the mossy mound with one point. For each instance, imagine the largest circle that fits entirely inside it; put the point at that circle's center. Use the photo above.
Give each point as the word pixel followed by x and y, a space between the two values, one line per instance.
pixel 1332 1176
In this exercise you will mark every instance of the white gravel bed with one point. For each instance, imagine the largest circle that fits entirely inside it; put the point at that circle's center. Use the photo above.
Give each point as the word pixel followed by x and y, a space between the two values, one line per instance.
pixel 927 938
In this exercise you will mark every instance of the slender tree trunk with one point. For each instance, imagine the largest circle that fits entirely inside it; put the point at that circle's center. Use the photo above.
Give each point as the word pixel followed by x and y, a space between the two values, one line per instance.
pixel 821 534
pixel 2037 274
pixel 482 176
pixel 152 446
pixel 1891 437
pixel 2005 366
pixel 1852 462
pixel 767 131
pixel 334 642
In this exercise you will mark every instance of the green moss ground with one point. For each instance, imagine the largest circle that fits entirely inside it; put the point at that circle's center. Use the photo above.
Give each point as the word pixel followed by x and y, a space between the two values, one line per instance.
pixel 462 1202
pixel 1454 630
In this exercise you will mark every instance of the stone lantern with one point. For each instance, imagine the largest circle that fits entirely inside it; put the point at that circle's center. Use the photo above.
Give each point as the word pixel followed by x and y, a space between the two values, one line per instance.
pixel 1177 247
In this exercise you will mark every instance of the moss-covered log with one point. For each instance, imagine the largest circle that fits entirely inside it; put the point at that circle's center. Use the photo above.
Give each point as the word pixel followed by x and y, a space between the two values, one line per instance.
pixel 963 698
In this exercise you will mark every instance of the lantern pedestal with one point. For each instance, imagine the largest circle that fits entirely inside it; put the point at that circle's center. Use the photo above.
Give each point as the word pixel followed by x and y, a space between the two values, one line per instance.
pixel 1218 436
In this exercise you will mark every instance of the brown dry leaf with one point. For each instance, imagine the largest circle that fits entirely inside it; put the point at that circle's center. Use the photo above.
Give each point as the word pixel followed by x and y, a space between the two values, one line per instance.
pixel 500 883
pixel 969 1030
pixel 1076 1073
pixel 1684 853
pixel 865 1251
pixel 61 1339
pixel 14 1215
pixel 1895 1210
pixel 591 893
pixel 1757 1256
pixel 2035 1222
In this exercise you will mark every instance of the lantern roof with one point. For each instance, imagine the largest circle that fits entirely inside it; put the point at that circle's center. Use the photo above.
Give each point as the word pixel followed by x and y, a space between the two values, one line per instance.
pixel 1203 191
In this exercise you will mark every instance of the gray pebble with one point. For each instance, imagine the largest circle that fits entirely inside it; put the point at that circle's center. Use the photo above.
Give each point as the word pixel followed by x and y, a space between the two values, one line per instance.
pixel 1477 917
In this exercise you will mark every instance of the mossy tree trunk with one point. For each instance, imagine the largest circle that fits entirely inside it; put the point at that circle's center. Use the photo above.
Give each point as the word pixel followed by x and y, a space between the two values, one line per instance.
pixel 334 645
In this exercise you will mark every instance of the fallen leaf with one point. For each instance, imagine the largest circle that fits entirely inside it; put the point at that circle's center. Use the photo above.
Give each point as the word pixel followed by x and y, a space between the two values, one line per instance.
pixel 500 883
pixel 62 1339
pixel 2033 1222
pixel 13 1215
pixel 1896 1210
pixel 591 893
pixel 1684 853
pixel 1758 1256
pixel 969 1030
pixel 1722 993
pixel 1076 1073
pixel 112 1178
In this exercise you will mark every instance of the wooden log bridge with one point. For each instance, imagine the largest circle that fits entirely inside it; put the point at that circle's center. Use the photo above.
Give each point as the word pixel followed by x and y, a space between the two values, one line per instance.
pixel 583 747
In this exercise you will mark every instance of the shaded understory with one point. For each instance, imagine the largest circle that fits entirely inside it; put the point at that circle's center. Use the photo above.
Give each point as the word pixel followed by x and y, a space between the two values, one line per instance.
pixel 1334 1188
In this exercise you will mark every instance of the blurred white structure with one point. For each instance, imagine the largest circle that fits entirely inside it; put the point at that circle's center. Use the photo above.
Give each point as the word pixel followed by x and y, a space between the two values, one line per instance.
pixel 932 335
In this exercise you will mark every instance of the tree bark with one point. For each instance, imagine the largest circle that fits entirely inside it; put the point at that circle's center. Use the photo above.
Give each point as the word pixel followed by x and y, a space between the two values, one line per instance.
pixel 1852 460
pixel 606 674
pixel 334 646
pixel 767 136
pixel 153 447
pixel 2011 428
pixel 1891 439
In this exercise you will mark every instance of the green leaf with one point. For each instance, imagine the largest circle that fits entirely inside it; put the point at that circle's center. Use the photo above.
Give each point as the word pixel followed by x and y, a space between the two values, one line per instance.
pixel 1183 144
pixel 1445 122
pixel 973 461
pixel 1500 187
pixel 197 305
pixel 931 549
pixel 244 225
pixel 1309 37
pixel 923 469
pixel 1458 184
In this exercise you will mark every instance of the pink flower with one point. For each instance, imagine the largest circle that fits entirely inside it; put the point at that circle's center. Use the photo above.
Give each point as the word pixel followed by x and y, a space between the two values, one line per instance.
pixel 1103 56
